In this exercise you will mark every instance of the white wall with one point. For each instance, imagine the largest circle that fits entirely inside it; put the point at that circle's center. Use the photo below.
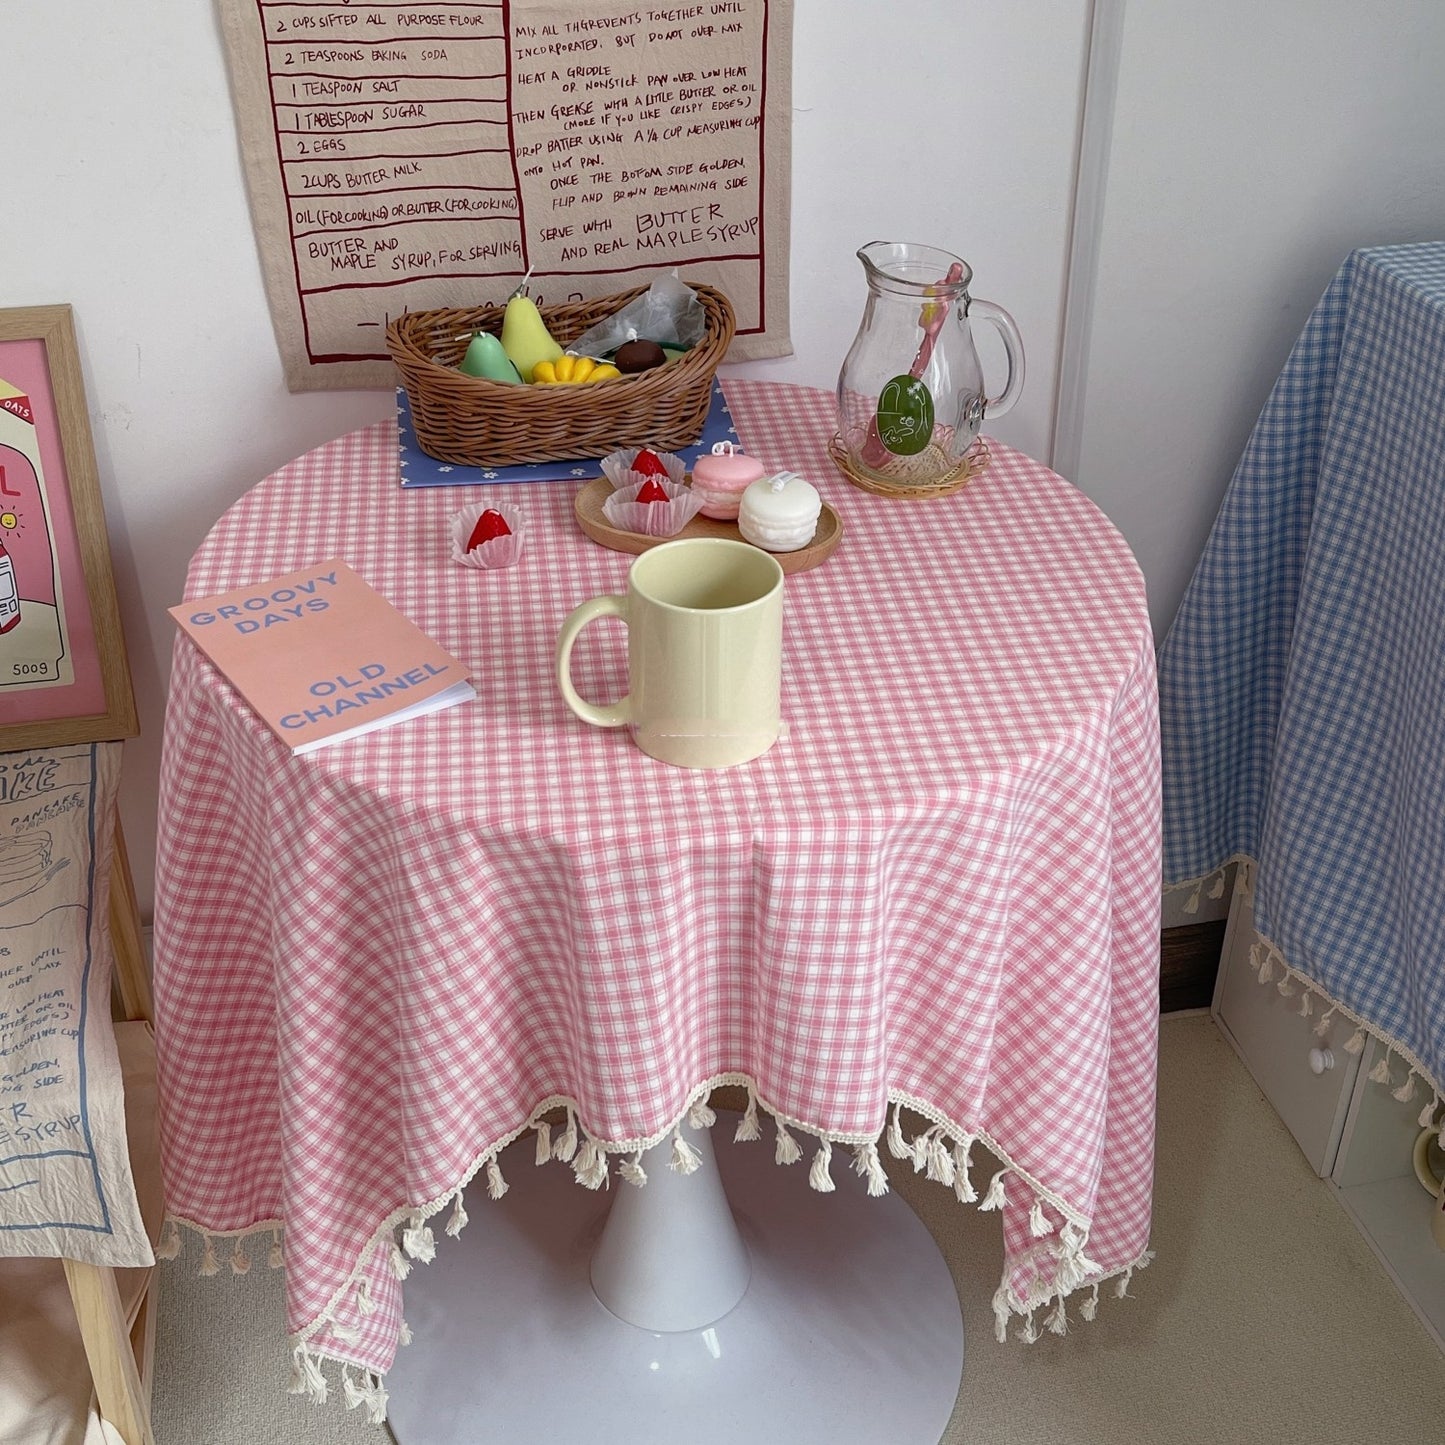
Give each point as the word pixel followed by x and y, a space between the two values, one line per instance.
pixel 1254 146
pixel 122 194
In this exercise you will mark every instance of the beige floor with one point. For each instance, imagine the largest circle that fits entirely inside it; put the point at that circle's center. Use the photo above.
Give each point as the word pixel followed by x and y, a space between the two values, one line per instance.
pixel 1265 1319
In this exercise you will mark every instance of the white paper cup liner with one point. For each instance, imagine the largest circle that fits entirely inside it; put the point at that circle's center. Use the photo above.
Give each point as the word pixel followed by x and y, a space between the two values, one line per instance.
pixel 617 467
pixel 499 551
pixel 652 519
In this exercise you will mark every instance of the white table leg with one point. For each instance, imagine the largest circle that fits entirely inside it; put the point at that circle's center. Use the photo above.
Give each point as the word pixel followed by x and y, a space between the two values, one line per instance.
pixel 815 1319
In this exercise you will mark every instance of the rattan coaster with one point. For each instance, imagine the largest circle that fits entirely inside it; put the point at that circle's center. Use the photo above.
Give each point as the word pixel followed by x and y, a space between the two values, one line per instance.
pixel 973 463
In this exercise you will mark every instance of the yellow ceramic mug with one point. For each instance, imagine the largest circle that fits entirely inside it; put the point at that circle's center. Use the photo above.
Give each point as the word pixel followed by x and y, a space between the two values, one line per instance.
pixel 1431 1180
pixel 704 622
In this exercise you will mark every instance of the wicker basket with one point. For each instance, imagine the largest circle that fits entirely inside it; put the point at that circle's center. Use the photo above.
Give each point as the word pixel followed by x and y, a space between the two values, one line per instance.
pixel 470 421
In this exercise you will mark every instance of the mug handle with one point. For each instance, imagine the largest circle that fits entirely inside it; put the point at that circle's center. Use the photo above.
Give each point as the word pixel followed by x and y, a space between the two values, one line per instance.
pixel 1421 1160
pixel 1013 345
pixel 610 715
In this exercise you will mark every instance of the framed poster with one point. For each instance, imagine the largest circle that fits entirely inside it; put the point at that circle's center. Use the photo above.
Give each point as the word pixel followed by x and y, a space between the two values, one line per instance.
pixel 63 671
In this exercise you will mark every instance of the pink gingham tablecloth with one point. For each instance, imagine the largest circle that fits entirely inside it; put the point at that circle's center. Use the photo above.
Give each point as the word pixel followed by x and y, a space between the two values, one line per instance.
pixel 379 963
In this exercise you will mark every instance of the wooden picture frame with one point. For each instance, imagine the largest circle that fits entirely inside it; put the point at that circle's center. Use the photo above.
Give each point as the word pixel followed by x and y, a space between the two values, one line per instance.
pixel 64 677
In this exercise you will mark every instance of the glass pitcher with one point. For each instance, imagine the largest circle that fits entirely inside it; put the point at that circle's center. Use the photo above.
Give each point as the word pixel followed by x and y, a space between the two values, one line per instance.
pixel 911 392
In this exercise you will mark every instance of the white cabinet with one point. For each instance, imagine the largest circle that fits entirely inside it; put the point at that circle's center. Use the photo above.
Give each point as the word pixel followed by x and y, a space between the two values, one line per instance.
pixel 1352 1129
pixel 1308 1080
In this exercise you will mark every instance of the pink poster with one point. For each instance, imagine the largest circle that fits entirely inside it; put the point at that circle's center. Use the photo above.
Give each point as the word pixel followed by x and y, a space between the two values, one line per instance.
pixel 49 666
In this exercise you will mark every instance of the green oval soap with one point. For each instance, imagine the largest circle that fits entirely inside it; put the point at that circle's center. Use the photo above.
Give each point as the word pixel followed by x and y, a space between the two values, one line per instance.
pixel 905 416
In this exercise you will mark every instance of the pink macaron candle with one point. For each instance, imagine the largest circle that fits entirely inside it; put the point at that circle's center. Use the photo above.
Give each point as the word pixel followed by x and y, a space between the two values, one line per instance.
pixel 720 478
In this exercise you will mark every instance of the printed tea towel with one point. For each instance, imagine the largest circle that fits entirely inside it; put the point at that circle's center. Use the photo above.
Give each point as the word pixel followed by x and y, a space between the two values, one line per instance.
pixel 65 1180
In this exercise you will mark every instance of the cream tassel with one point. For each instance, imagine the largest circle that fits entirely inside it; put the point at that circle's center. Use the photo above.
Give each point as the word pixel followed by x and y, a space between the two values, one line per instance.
pixel 1216 892
pixel 566 1145
pixel 347 1334
pixel 208 1258
pixel 496 1185
pixel 400 1264
pixel 1380 1074
pixel 1323 1027
pixel 897 1145
pixel 1090 1306
pixel 994 1199
pixel 544 1142
pixel 1286 988
pixel 788 1150
pixel 365 1305
pixel 306 1376
pixel 1406 1091
pixel 962 1184
pixel 275 1256
pixel 685 1159
pixel 170 1245
pixel 1356 1042
pixel 1192 904
pixel 1306 1005
pixel 1266 969
pixel 1427 1114
pixel 240 1260
pixel 1121 1289
pixel 1038 1221
pixel 867 1163
pixel 1058 1321
pixel 818 1175
pixel 403 1334
pixel 460 1218
pixel 940 1160
pixel 1030 1331
pixel 632 1171
pixel 376 1401
pixel 748 1127
pixel 418 1241
pixel 701 1115
pixel 590 1166
pixel 349 1390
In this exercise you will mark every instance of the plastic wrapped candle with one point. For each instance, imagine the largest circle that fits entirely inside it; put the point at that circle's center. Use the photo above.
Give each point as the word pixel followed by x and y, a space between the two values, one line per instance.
pixel 721 477
pixel 780 513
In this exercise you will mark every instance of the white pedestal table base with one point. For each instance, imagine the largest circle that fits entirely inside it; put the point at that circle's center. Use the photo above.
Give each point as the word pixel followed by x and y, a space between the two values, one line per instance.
pixel 847 1332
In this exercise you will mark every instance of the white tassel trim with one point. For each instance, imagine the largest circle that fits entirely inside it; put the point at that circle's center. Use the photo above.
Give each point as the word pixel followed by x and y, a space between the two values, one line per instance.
pixel 276 1256
pixel 1406 1091
pixel 403 1334
pixel 365 1305
pixel 819 1176
pixel 400 1264
pixel 1090 1307
pixel 1356 1042
pixel 994 1199
pixel 632 1171
pixel 544 1142
pixel 208 1258
pixel 460 1219
pixel 897 1146
pixel 867 1163
pixel 789 1151
pixel 1038 1221
pixel 748 1127
pixel 962 1185
pixel 566 1145
pixel 1380 1074
pixel 372 1394
pixel 685 1159
pixel 701 1115
pixel 496 1185
pixel 306 1376
pixel 170 1245
pixel 240 1260
pixel 590 1165
pixel 1427 1114
pixel 1323 1027
pixel 418 1240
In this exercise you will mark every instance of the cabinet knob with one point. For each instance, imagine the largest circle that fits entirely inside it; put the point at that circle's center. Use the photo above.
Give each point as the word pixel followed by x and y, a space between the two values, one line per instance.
pixel 1321 1060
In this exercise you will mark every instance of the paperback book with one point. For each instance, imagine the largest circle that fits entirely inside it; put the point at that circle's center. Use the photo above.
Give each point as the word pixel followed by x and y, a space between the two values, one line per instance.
pixel 322 656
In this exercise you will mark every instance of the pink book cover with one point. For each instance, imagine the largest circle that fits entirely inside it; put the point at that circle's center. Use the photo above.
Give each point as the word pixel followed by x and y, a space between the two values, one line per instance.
pixel 323 656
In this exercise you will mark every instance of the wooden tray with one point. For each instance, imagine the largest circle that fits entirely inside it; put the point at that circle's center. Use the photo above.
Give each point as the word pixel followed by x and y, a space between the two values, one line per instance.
pixel 593 521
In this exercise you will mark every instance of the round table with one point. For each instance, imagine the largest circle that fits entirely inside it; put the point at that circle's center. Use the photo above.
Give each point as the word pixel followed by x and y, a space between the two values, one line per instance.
pixel 926 919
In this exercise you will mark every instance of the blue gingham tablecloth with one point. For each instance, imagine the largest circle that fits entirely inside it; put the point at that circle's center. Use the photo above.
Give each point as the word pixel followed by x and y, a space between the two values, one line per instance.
pixel 1302 685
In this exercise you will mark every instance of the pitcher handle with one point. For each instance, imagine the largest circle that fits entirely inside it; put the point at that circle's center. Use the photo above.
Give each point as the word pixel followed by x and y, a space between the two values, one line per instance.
pixel 1013 346
pixel 609 715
